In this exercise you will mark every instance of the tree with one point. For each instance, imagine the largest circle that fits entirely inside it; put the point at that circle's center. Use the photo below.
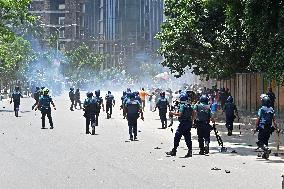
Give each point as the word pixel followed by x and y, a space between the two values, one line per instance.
pixel 218 38
pixel 82 63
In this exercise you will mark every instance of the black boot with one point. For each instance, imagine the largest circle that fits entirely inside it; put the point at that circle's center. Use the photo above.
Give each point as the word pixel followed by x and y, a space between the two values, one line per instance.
pixel 189 154
pixel 206 149
pixel 173 152
pixel 201 152
pixel 93 131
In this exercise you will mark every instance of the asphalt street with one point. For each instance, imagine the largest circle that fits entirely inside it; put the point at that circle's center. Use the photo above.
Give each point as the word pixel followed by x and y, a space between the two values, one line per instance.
pixel 65 157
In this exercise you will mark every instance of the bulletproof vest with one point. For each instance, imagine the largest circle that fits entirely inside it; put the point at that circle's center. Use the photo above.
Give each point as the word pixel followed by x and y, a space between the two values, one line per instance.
pixel 45 101
pixel 230 107
pixel 266 116
pixel 16 96
pixel 203 113
pixel 91 105
pixel 162 103
pixel 109 99
pixel 187 113
pixel 132 107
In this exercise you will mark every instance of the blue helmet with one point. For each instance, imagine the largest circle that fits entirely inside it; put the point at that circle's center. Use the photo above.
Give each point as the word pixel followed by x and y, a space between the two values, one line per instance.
pixel 265 101
pixel 98 93
pixel 203 99
pixel 230 99
pixel 109 92
pixel 183 97
pixel 89 94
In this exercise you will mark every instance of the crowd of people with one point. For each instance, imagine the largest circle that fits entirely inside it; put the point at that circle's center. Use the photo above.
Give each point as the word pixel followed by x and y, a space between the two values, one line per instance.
pixel 193 107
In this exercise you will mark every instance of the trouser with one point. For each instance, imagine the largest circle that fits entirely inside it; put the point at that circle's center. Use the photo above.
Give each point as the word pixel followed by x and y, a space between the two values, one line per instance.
pixel 264 135
pixel 90 119
pixel 184 129
pixel 230 122
pixel 109 109
pixel 163 118
pixel 143 104
pixel 72 104
pixel 132 124
pixel 46 112
pixel 97 119
pixel 35 104
pixel 78 101
pixel 16 108
pixel 203 132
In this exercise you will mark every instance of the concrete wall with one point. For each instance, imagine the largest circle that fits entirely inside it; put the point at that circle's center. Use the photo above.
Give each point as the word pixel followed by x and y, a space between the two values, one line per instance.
pixel 247 88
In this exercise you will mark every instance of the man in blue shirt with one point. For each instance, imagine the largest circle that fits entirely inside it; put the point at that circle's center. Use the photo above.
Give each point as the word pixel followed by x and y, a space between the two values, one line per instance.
pixel 16 98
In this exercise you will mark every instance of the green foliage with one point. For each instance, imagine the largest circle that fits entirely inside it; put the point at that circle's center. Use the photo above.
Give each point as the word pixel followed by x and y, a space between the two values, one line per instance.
pixel 218 38
pixel 82 63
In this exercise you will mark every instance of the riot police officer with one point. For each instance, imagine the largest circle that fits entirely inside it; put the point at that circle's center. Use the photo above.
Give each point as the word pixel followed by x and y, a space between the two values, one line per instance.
pixel 44 106
pixel 185 114
pixel 72 98
pixel 203 115
pixel 16 98
pixel 230 109
pixel 110 102
pixel 264 125
pixel 100 101
pixel 133 109
pixel 90 108
pixel 77 98
pixel 36 97
pixel 163 105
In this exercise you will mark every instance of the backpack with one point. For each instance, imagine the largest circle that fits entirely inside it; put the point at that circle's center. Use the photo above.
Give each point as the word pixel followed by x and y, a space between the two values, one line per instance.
pixel 203 113
pixel 187 114
pixel 266 118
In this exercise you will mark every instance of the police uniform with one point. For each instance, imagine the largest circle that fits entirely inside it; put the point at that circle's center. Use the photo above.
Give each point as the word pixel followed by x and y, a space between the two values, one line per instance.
pixel 77 98
pixel 132 111
pixel 266 116
pixel 72 98
pixel 45 101
pixel 184 128
pixel 98 110
pixel 36 97
pixel 16 96
pixel 162 105
pixel 90 106
pixel 109 102
pixel 203 128
pixel 230 109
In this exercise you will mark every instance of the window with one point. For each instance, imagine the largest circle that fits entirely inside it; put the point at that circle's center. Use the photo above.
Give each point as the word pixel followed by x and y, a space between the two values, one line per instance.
pixel 61 20
pixel 62 34
pixel 61 6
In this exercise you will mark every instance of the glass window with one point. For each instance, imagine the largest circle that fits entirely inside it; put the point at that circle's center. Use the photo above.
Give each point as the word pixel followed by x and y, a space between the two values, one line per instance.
pixel 61 20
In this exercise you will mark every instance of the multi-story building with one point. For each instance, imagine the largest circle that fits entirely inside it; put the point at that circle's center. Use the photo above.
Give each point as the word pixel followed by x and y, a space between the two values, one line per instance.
pixel 120 28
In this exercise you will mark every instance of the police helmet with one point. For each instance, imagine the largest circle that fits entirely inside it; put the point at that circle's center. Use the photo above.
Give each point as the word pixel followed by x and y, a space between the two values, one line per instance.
pixel 109 92
pixel 230 99
pixel 42 88
pixel 17 88
pixel 183 97
pixel 162 94
pixel 89 94
pixel 265 101
pixel 37 88
pixel 124 93
pixel 45 91
pixel 128 90
pixel 71 89
pixel 203 99
pixel 97 92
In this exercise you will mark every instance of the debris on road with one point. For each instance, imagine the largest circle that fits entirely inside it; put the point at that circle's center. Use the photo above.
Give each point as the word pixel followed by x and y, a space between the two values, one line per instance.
pixel 234 152
pixel 227 171
pixel 215 169
pixel 157 148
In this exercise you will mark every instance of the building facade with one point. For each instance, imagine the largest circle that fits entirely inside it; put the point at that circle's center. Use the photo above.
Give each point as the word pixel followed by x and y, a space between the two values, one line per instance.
pixel 119 28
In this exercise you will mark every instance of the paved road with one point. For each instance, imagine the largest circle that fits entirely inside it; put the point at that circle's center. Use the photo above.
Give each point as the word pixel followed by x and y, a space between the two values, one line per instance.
pixel 67 158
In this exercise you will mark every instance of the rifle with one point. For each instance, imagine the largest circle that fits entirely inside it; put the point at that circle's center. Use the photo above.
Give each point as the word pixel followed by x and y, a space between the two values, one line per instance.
pixel 219 139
